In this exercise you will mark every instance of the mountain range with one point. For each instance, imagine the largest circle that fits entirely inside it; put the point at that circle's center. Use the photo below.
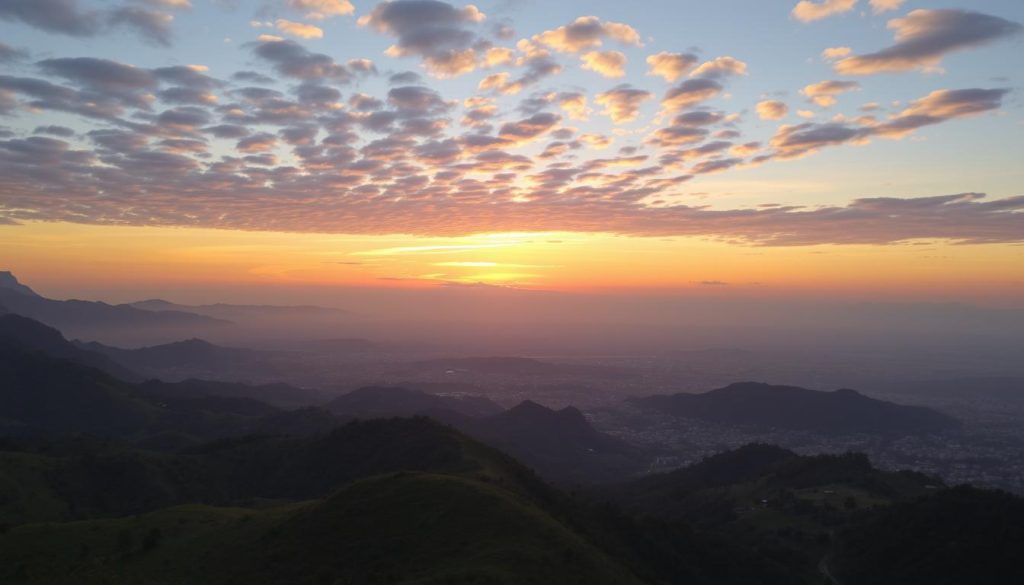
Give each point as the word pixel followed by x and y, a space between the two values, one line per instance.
pixel 104 479
pixel 234 312
pixel 843 411
pixel 100 320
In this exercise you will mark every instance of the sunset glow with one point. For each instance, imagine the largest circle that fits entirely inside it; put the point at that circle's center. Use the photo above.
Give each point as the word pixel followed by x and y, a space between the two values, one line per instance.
pixel 581 147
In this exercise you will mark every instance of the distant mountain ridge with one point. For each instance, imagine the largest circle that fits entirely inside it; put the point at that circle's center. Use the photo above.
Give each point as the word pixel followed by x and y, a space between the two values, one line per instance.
pixel 560 444
pixel 94 319
pixel 842 411
pixel 194 358
pixel 233 312
pixel 26 334
pixel 10 282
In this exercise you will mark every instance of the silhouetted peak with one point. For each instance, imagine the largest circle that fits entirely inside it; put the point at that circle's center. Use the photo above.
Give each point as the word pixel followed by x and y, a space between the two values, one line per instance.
pixel 530 408
pixel 154 304
pixel 9 282
pixel 192 342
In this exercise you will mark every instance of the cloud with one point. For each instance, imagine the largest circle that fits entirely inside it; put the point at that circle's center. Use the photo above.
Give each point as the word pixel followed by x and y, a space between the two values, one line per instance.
pixel 835 53
pixel 622 103
pixel 609 64
pixel 772 110
pixel 299 29
pixel 496 56
pixel 293 60
pixel 62 131
pixel 809 11
pixel 435 31
pixel 690 93
pixel 152 25
pixel 57 16
pixel 9 54
pixel 720 67
pixel 677 134
pixel 587 32
pixel 67 17
pixel 528 129
pixel 937 107
pixel 880 6
pixel 124 83
pixel 417 99
pixel 177 146
pixel 322 9
pixel 670 66
pixel 824 93
pixel 924 37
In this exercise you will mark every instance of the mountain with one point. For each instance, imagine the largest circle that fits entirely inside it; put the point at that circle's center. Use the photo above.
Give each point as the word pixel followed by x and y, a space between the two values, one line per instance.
pixel 280 395
pixel 768 499
pixel 726 484
pixel 788 407
pixel 836 518
pixel 400 501
pixel 31 335
pixel 241 313
pixel 97 320
pixel 559 444
pixel 193 353
pixel 386 401
pixel 46 396
pixel 9 282
pixel 42 394
pixel 962 535
pixel 195 358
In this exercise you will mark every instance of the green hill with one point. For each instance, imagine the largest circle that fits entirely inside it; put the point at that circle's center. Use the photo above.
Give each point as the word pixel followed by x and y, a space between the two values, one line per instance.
pixel 400 528
pixel 953 537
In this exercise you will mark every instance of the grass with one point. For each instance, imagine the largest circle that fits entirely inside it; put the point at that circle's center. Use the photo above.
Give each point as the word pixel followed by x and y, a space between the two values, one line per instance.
pixel 408 528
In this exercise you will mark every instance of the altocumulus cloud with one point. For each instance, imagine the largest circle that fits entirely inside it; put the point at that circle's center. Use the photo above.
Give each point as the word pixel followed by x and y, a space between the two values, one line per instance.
pixel 296 144
pixel 923 37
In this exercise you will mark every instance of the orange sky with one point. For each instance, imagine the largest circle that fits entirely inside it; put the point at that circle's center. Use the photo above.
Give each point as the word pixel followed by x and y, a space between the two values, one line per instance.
pixel 118 263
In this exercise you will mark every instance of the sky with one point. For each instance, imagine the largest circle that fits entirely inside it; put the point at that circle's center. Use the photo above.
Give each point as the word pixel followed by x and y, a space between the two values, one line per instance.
pixel 837 148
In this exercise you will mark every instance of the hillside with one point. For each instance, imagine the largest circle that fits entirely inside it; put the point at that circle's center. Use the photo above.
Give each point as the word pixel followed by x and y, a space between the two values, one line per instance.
pixel 43 396
pixel 559 444
pixel 104 479
pixel 756 472
pixel 10 282
pixel 404 500
pixel 30 335
pixel 280 395
pixel 788 407
pixel 98 320
pixel 962 535
pixel 399 528
pixel 769 499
